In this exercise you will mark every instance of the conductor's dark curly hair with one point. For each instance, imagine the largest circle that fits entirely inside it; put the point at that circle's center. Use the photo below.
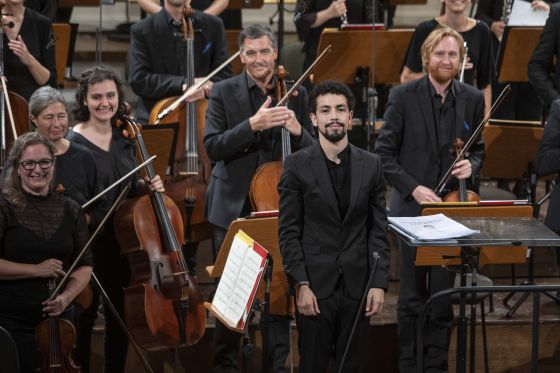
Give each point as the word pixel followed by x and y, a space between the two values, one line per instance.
pixel 334 87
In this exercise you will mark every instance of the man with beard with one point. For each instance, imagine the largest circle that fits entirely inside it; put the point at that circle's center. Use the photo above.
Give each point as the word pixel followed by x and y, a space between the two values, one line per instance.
pixel 422 119
pixel 332 219
pixel 243 131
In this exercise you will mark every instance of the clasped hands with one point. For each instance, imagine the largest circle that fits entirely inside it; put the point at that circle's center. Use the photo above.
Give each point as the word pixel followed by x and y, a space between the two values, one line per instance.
pixel 269 117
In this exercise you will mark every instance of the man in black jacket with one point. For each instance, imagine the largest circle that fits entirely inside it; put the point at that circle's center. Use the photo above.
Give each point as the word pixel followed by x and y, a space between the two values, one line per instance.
pixel 157 55
pixel 243 131
pixel 332 220
pixel 422 120
pixel 541 63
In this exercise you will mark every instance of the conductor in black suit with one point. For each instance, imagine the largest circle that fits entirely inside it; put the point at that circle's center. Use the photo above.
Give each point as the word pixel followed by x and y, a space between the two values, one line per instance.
pixel 243 131
pixel 157 55
pixel 542 60
pixel 332 219
pixel 422 119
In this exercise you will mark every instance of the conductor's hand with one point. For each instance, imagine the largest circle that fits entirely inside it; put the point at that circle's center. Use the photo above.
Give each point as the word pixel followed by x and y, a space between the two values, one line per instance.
pixel 306 302
pixel 156 185
pixel 56 306
pixel 268 117
pixel 337 8
pixel 374 303
pixel 424 194
pixel 50 268
pixel 462 169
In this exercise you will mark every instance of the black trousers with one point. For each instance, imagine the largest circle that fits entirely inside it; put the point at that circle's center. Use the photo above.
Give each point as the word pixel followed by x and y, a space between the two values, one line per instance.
pixel 326 335
pixel 227 343
pixel 417 284
pixel 112 270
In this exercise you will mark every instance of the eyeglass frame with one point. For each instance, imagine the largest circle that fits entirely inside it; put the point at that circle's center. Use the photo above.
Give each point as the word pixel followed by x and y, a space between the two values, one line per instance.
pixel 35 163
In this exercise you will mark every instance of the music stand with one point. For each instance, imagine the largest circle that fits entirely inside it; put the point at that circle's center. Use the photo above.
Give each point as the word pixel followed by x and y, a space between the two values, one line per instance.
pixel 381 51
pixel 515 52
pixel 494 231
pixel 265 232
pixel 160 140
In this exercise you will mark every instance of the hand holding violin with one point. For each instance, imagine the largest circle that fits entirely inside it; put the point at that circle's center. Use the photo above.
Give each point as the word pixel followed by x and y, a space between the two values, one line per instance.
pixel 424 194
pixel 462 169
pixel 56 306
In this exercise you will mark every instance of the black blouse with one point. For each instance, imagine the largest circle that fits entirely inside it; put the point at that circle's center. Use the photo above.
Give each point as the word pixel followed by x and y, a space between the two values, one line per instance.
pixel 36 32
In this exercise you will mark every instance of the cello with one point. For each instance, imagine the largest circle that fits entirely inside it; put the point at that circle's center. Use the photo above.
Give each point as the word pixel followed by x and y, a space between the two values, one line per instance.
pixel 192 167
pixel 262 191
pixel 163 305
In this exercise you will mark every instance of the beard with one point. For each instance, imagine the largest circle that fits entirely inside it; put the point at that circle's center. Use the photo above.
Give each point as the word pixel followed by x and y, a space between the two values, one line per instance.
pixel 442 76
pixel 333 137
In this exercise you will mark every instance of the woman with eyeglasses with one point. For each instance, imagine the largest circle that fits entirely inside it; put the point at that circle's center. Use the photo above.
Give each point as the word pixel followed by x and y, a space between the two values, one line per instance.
pixel 41 233
pixel 98 98
pixel 76 172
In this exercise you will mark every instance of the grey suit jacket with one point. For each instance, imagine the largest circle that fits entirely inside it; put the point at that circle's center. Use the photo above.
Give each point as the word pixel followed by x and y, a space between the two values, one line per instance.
pixel 236 150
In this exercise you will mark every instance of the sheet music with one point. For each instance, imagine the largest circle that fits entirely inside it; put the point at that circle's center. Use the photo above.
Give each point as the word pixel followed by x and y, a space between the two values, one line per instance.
pixel 523 15
pixel 431 227
pixel 242 269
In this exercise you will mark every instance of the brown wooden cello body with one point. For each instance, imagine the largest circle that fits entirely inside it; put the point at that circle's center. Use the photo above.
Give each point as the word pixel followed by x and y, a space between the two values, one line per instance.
pixel 163 305
pixel 185 186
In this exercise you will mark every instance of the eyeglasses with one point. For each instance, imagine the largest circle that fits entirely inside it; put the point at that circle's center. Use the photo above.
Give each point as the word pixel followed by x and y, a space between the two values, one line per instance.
pixel 45 164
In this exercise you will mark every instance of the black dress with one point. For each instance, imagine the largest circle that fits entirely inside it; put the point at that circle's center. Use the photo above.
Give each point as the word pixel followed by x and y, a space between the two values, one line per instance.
pixel 36 32
pixel 109 265
pixel 48 227
pixel 480 52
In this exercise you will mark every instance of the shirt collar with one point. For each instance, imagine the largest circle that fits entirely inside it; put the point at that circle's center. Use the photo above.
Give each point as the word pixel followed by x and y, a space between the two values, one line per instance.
pixel 343 155
pixel 450 89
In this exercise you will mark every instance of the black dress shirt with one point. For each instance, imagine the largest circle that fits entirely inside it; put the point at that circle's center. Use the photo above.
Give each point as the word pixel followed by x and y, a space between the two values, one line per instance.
pixel 340 175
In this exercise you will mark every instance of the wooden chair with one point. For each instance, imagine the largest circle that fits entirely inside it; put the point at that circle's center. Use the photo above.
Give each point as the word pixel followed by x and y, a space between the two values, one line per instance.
pixel 62 33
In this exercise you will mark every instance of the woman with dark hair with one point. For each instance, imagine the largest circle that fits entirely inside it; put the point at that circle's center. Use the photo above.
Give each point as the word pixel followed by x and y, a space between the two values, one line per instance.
pixel 29 57
pixel 41 233
pixel 76 171
pixel 98 99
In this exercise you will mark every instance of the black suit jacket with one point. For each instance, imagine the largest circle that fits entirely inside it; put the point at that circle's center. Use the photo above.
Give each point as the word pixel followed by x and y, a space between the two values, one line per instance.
pixel 236 150
pixel 548 162
pixel 407 142
pixel 154 65
pixel 316 243
pixel 540 65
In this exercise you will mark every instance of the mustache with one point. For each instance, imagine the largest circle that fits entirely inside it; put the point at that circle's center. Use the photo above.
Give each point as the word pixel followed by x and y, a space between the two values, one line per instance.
pixel 333 123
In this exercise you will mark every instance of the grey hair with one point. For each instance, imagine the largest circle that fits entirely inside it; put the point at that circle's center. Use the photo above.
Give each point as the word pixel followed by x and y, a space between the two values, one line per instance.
pixel 43 97
pixel 255 32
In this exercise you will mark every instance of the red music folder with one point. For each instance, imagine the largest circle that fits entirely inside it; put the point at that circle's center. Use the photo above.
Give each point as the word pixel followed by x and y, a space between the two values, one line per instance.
pixel 243 272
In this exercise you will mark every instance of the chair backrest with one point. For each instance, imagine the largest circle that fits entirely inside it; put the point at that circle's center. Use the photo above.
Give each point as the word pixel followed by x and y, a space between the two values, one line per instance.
pixel 488 255
pixel 62 46
pixel 8 352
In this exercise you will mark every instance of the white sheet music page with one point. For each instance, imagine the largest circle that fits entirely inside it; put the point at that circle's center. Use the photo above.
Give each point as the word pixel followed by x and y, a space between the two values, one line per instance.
pixel 223 297
pixel 522 14
pixel 251 269
pixel 431 227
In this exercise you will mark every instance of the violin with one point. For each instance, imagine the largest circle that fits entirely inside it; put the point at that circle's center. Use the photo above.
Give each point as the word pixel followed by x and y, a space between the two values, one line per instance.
pixel 262 191
pixel 55 339
pixel 462 194
pixel 163 304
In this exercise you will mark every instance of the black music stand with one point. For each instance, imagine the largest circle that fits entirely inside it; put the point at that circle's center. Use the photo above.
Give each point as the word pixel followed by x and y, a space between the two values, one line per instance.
pixel 498 232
